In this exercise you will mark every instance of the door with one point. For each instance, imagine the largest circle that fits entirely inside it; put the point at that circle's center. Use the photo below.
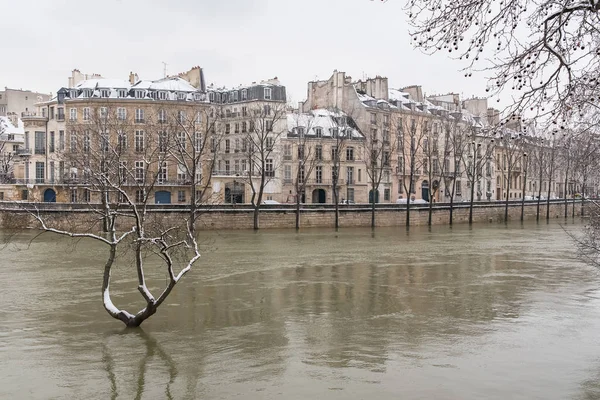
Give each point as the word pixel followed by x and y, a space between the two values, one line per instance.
pixel 425 190
pixel 49 196
pixel 371 196
pixel 162 197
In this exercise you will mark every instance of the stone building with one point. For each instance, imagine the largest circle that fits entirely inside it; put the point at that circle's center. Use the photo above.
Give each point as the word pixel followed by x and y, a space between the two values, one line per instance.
pixel 319 143
pixel 254 123
pixel 131 127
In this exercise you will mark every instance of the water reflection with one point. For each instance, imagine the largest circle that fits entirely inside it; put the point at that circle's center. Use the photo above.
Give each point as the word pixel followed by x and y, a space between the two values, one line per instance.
pixel 112 349
pixel 483 313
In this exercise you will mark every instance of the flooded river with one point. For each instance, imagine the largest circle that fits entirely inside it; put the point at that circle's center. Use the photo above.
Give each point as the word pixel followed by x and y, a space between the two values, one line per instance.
pixel 493 312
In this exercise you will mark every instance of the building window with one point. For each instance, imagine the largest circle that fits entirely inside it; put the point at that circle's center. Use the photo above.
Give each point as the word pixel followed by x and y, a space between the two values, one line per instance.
pixel 386 194
pixel 269 171
pixel 360 175
pixel 139 94
pixel 139 171
pixel 244 111
pixel 139 141
pixel 39 172
pixel 121 113
pixel 237 127
pixel 181 140
pixel 40 143
pixel 319 132
pixel 162 95
pixel 73 195
pixel 227 145
pixel 244 94
pixel 86 114
pixel 211 97
pixel 181 96
pixel 198 141
pixel 270 143
pixel 350 154
pixel 73 114
pixel 198 117
pixel 86 142
pixel 162 173
pixel 122 93
pixel 287 173
pixel 350 195
pixel 267 93
pixel 121 141
pixel 181 116
pixel 319 174
pixel 162 116
pixel 87 197
pixel 73 142
pixel 350 175
pixel 181 196
pixel 287 152
pixel 51 144
pixel 104 143
pixel 269 126
pixel 123 171
pixel 103 112
pixel 104 93
pixel 61 140
pixel 139 115
pixel 139 196
pixel 227 129
pixel 318 152
pixel 51 112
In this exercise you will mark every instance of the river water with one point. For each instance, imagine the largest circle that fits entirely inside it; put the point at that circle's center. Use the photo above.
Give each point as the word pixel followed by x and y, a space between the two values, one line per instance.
pixel 492 312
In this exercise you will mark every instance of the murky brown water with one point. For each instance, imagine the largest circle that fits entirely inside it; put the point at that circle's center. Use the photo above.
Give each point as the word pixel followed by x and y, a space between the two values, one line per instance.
pixel 490 313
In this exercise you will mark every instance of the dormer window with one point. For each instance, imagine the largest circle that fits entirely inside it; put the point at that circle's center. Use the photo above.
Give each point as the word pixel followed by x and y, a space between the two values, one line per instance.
pixel 267 93
pixel 122 93
pixel 235 96
pixel 211 96
pixel 319 132
pixel 244 94
pixel 73 94
pixel 87 93
pixel 139 94
pixel 197 96
pixel 162 95
pixel 104 93
pixel 181 96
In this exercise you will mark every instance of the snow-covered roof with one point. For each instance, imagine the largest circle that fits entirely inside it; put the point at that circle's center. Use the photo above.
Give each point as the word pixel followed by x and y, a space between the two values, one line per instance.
pixel 173 84
pixel 320 118
pixel 171 88
pixel 103 84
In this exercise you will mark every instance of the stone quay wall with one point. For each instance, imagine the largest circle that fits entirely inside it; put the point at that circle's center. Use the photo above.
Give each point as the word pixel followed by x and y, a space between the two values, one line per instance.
pixel 78 217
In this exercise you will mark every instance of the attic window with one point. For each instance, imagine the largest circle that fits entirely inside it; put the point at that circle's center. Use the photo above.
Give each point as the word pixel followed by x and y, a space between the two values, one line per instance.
pixel 122 93
pixel 267 93
pixel 87 93
pixel 235 96
pixel 139 94
pixel 211 96
pixel 197 96
pixel 319 132
pixel 181 96
pixel 73 94
pixel 244 94
pixel 162 95
pixel 104 93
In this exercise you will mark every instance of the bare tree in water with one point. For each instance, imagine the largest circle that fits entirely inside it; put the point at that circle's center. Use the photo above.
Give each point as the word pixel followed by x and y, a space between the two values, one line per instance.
pixel 114 165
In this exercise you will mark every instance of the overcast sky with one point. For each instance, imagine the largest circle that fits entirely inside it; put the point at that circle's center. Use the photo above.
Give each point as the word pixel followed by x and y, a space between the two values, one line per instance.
pixel 234 41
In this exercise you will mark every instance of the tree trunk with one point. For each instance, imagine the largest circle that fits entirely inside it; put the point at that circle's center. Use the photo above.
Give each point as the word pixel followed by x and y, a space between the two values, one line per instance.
pixel 565 190
pixel 471 202
pixel 523 196
pixel 430 211
pixel 582 198
pixel 508 182
pixel 297 213
pixel 548 197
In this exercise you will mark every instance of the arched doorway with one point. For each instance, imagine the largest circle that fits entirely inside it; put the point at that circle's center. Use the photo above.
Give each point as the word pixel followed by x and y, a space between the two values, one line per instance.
pixel 319 196
pixel 425 190
pixel 49 196
pixel 234 192
pixel 371 196
pixel 162 197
